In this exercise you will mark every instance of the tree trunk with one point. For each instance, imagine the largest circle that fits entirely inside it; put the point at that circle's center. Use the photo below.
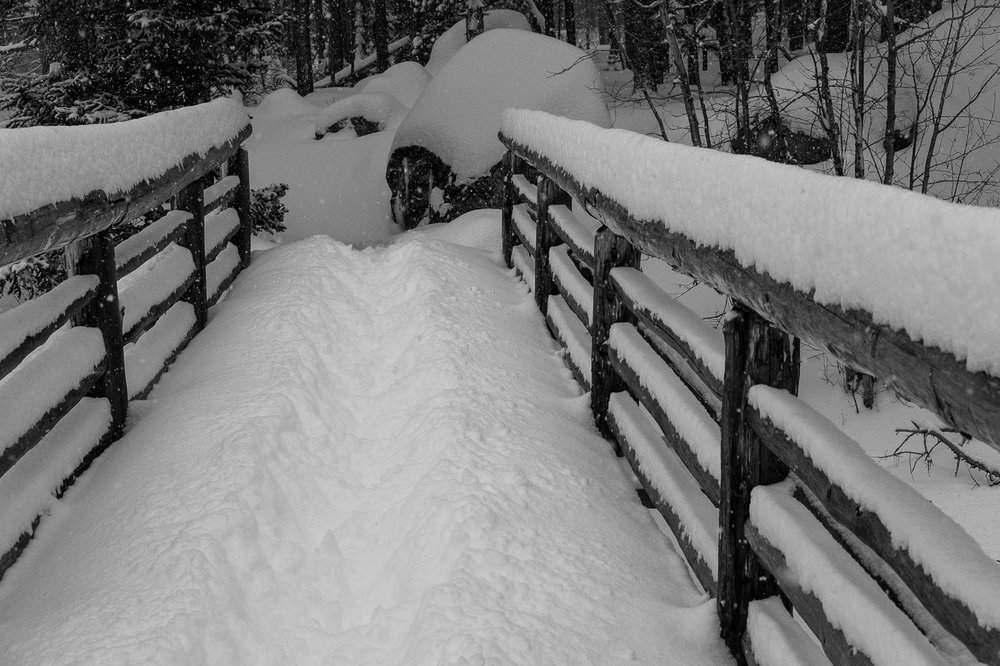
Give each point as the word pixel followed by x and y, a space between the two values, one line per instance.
pixel 303 48
pixel 381 35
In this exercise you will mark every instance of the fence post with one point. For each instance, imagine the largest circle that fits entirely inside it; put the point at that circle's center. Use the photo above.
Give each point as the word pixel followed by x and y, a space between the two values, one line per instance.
pixel 610 251
pixel 192 200
pixel 756 353
pixel 239 165
pixel 507 238
pixel 95 255
pixel 549 194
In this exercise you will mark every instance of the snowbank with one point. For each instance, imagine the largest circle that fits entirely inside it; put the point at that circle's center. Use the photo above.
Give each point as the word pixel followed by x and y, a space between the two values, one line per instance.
pixel 453 39
pixel 916 263
pixel 458 114
pixel 46 165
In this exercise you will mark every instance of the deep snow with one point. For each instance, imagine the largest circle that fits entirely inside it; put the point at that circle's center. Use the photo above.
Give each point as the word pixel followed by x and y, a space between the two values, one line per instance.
pixel 368 457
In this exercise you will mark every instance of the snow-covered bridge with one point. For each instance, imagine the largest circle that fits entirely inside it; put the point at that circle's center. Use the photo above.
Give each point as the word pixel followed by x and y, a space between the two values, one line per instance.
pixel 380 456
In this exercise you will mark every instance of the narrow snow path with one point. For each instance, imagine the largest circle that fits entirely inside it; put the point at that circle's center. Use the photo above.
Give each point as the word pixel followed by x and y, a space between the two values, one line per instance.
pixel 369 457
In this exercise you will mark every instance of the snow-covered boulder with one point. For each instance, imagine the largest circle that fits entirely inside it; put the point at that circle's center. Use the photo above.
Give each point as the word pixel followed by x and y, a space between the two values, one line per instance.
pixel 404 81
pixel 449 137
pixel 453 39
pixel 377 110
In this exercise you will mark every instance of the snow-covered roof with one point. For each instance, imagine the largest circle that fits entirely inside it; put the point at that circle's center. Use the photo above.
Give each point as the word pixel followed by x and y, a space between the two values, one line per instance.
pixel 46 165
pixel 919 264
pixel 458 114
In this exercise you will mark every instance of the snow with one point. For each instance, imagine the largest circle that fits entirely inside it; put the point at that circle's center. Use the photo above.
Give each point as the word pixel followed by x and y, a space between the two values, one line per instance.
pixel 575 285
pixel 336 186
pixel 686 414
pixel 705 341
pixel 404 81
pixel 338 469
pixel 580 228
pixel 26 490
pixel 458 114
pixel 220 189
pixel 32 317
pixel 777 640
pixel 220 269
pixel 860 245
pixel 134 246
pixel 40 383
pixel 377 107
pixel 46 165
pixel 529 229
pixel 954 560
pixel 141 291
pixel 219 225
pixel 666 473
pixel 851 601
pixel 572 334
pixel 451 40
pixel 524 188
pixel 146 357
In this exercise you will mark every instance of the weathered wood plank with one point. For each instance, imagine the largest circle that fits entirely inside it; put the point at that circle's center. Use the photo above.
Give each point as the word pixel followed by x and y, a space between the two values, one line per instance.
pixel 525 228
pixel 574 233
pixel 140 248
pixel 928 376
pixel 660 413
pixel 192 200
pixel 167 338
pixel 756 353
pixel 220 228
pixel 239 166
pixel 574 288
pixel 610 251
pixel 950 612
pixel 55 226
pixel 678 363
pixel 568 330
pixel 222 191
pixel 834 644
pixel 221 273
pixel 29 325
pixel 155 311
pixel 703 349
pixel 548 195
pixel 507 237
pixel 95 255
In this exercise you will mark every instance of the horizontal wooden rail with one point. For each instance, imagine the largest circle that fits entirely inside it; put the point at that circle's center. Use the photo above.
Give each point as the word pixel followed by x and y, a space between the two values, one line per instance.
pixel 932 378
pixel 679 401
pixel 56 226
pixel 77 383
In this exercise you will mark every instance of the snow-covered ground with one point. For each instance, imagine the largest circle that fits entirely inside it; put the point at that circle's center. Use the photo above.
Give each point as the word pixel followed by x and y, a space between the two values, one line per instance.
pixel 369 457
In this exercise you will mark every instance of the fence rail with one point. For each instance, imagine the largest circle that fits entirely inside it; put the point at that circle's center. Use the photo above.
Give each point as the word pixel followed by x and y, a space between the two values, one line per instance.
pixel 773 508
pixel 130 308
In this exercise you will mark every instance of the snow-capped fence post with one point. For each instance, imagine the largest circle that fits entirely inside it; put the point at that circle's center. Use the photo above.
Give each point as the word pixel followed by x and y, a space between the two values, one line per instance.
pixel 511 165
pixel 95 255
pixel 756 353
pixel 610 251
pixel 549 194
pixel 192 200
pixel 239 165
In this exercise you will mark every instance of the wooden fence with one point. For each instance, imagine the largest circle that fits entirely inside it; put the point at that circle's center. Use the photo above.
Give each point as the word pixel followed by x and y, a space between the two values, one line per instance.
pixel 73 358
pixel 774 509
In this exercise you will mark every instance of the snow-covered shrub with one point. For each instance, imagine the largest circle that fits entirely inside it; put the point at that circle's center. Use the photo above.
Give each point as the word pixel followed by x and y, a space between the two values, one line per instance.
pixel 453 39
pixel 404 81
pixel 267 213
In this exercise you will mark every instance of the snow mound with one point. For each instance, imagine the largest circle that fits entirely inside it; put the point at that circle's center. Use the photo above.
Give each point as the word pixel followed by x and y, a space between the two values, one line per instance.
pixel 458 114
pixel 453 39
pixel 404 81
pixel 918 264
pixel 379 108
pixel 46 165
pixel 283 102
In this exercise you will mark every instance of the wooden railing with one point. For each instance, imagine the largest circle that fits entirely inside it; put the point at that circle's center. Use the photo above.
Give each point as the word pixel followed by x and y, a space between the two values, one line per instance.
pixel 773 507
pixel 73 358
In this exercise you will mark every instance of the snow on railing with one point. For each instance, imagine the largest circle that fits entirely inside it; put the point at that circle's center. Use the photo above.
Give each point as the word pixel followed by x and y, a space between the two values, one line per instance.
pixel 867 272
pixel 132 308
